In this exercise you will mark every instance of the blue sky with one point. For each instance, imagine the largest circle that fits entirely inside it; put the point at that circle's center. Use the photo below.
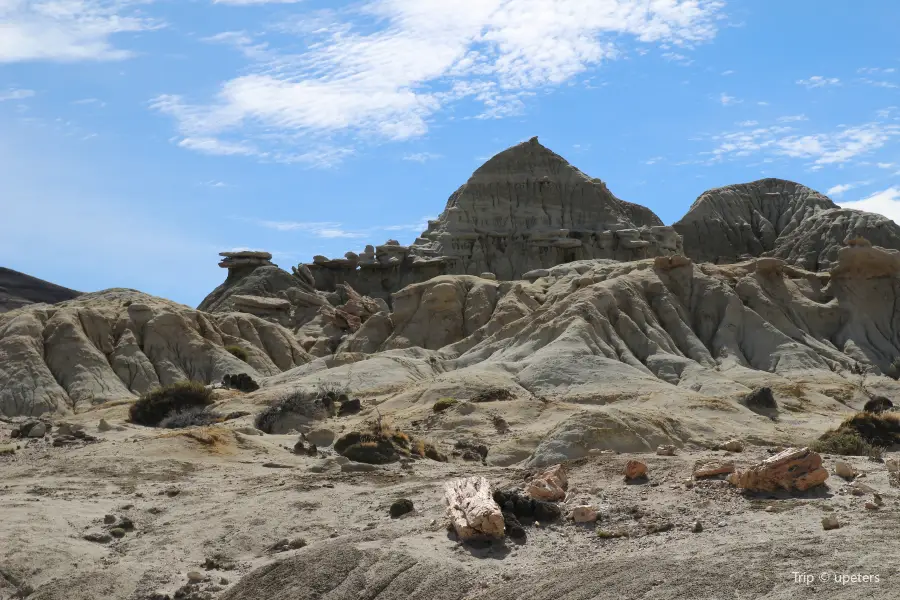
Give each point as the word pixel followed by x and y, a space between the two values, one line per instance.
pixel 140 137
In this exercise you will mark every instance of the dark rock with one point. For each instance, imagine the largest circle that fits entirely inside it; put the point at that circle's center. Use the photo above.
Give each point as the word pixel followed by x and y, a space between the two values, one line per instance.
pixel 366 448
pixel 513 527
pixel 109 519
pixel 470 451
pixel 299 447
pixel 878 404
pixel 117 532
pixel 350 407
pixel 241 382
pixel 492 395
pixel 761 400
pixel 312 450
pixel 285 544
pixel 401 507
pixel 524 507
pixel 100 538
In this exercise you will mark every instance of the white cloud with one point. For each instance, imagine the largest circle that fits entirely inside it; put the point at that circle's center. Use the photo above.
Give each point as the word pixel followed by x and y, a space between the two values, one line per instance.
pixel 747 123
pixel 875 70
pixel 762 103
pixel 67 30
pixel 839 189
pixel 727 100
pixel 883 84
pixel 817 81
pixel 728 72
pixel 830 148
pixel 386 79
pixel 211 145
pixel 885 202
pixel 90 101
pixel 15 94
pixel 318 229
pixel 884 165
pixel 254 2
pixel 677 57
pixel 792 118
pixel 653 161
pixel 421 157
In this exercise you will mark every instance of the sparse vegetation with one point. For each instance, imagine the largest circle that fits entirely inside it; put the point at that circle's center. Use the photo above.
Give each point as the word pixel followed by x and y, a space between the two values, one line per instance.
pixel 238 352
pixel 383 444
pixel 863 434
pixel 302 405
pixel 158 404
pixel 198 416
pixel 845 443
pixel 443 404
pixel 894 370
pixel 609 535
pixel 493 395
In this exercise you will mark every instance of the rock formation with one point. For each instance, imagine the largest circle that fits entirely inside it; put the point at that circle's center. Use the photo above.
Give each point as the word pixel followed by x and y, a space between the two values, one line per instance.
pixel 18 289
pixel 526 208
pixel 115 344
pixel 777 218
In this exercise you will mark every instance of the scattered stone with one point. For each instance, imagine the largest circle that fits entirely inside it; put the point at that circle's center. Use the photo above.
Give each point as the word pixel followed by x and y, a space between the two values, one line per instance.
pixel 830 522
pixel 584 514
pixel 761 400
pixel 525 507
pixel 286 544
pixel 98 537
pixel 660 527
pixel 878 404
pixel 857 488
pixel 793 469
pixel 126 524
pixel 665 450
pixel 241 382
pixel 104 426
pixel 843 469
pixel 7 450
pixel 300 447
pixel 321 437
pixel 871 506
pixel 36 429
pixel 274 465
pixel 733 446
pixel 513 527
pixel 109 519
pixel 350 407
pixel 635 469
pixel 401 507
pixel 312 450
pixel 877 499
pixel 713 467
pixel 551 484
pixel 117 532
pixel 195 576
pixel 697 527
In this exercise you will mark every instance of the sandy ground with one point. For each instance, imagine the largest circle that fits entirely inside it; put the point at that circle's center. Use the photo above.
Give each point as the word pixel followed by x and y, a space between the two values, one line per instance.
pixel 215 501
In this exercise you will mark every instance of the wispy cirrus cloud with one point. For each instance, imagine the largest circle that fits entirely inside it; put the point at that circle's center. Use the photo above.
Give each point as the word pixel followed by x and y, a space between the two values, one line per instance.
pixel 384 69
pixel 15 94
pixel 68 30
pixel 817 81
pixel 421 157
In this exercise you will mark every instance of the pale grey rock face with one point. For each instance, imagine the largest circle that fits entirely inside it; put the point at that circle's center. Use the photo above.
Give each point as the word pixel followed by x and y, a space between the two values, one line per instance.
pixel 525 209
pixel 777 218
pixel 116 344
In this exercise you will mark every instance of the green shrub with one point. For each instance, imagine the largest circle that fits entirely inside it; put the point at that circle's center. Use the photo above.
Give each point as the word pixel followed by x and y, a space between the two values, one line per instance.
pixel 443 404
pixel 844 443
pixel 238 352
pixel 158 404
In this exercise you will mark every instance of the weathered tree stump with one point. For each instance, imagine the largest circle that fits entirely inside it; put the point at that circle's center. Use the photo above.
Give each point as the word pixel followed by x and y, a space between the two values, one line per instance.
pixel 472 510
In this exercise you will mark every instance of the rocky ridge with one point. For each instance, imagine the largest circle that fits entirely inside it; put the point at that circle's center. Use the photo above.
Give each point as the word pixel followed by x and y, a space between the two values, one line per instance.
pixel 18 290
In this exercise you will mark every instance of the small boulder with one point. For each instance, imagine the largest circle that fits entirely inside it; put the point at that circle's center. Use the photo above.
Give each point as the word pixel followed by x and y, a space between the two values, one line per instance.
pixel 358 467
pixel 321 437
pixel 36 429
pixel 584 514
pixel 711 468
pixel 312 450
pixel 549 485
pixel 878 404
pixel 109 519
pixel 843 469
pixel 697 527
pixel 98 537
pixel 117 532
pixel 350 407
pixel 761 400
pixel 241 382
pixel 830 522
pixel 7 450
pixel 665 450
pixel 733 446
pixel 104 426
pixel 635 469
pixel 871 506
pixel 195 576
pixel 401 507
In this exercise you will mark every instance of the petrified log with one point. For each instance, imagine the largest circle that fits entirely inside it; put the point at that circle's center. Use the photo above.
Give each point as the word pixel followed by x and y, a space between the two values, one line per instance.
pixel 795 468
pixel 549 485
pixel 472 510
